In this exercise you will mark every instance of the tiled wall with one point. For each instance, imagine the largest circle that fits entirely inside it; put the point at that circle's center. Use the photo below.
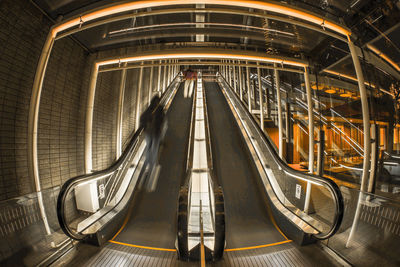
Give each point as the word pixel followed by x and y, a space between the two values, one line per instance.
pixel 104 119
pixel 61 115
pixel 23 30
pixel 129 110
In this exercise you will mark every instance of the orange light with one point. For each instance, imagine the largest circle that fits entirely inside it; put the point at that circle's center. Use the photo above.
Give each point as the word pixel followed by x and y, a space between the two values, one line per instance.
pixel 346 95
pixel 270 7
pixel 347 77
pixel 382 55
pixel 330 91
pixel 203 56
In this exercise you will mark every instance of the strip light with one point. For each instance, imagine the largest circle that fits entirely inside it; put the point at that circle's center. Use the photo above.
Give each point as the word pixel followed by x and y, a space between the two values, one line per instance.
pixel 347 77
pixel 266 6
pixel 202 56
pixel 382 55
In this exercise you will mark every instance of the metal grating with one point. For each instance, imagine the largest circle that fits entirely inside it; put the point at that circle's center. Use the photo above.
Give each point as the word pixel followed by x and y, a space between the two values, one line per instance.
pixel 290 256
pixel 120 255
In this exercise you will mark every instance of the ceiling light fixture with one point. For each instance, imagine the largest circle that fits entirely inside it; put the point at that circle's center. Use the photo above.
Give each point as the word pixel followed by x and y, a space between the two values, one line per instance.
pixel 330 91
pixel 346 95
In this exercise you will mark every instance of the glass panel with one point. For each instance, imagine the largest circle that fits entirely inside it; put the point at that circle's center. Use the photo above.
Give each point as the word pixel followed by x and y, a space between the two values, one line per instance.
pixel 376 234
pixel 29 224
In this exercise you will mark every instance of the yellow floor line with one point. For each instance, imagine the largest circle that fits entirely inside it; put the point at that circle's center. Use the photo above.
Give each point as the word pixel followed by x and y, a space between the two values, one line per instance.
pixel 261 246
pixel 136 246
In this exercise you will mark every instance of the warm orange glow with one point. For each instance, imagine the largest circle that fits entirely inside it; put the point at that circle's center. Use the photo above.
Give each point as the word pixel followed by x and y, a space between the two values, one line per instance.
pixel 385 57
pixel 270 7
pixel 330 91
pixel 346 95
pixel 202 56
pixel 347 77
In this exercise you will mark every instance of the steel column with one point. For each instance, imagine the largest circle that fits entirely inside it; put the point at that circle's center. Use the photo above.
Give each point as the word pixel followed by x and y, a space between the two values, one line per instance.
pixel 260 99
pixel 120 113
pixel 150 85
pixel 138 98
pixel 234 79
pixel 168 75
pixel 279 103
pixel 310 122
pixel 165 77
pixel 267 105
pixel 248 87
pixel 367 137
pixel 159 78
pixel 310 138
pixel 230 74
pixel 240 84
pixel 89 118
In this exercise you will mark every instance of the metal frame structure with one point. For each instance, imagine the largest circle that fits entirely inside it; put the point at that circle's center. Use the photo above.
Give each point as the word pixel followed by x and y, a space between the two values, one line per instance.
pixel 101 16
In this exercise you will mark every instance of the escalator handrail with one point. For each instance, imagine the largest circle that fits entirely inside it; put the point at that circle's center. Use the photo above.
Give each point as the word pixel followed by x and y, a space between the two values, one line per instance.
pixel 333 187
pixel 65 189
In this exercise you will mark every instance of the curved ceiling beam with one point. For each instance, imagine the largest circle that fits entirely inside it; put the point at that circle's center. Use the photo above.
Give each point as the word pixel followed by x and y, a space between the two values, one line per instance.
pixel 216 24
pixel 202 10
pixel 266 6
pixel 182 33
pixel 385 57
pixel 196 62
pixel 203 54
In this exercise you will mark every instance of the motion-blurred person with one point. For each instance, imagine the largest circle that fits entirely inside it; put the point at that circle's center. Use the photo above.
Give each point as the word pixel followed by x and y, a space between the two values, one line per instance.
pixel 155 125
pixel 190 77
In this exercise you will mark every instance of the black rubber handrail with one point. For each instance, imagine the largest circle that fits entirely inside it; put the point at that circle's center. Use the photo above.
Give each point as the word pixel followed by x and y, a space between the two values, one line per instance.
pixel 337 194
pixel 65 189
pixel 87 177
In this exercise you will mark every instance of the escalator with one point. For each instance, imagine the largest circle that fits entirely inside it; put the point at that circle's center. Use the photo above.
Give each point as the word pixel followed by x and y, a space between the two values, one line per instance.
pixel 152 221
pixel 259 219
pixel 141 222
pixel 244 202
pixel 251 228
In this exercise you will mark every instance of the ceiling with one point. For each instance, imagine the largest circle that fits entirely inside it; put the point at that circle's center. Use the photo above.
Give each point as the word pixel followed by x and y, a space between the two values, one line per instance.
pixel 372 21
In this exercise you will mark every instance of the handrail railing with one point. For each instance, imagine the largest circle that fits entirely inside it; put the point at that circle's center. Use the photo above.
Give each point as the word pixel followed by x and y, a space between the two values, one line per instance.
pixel 327 183
pixel 119 168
